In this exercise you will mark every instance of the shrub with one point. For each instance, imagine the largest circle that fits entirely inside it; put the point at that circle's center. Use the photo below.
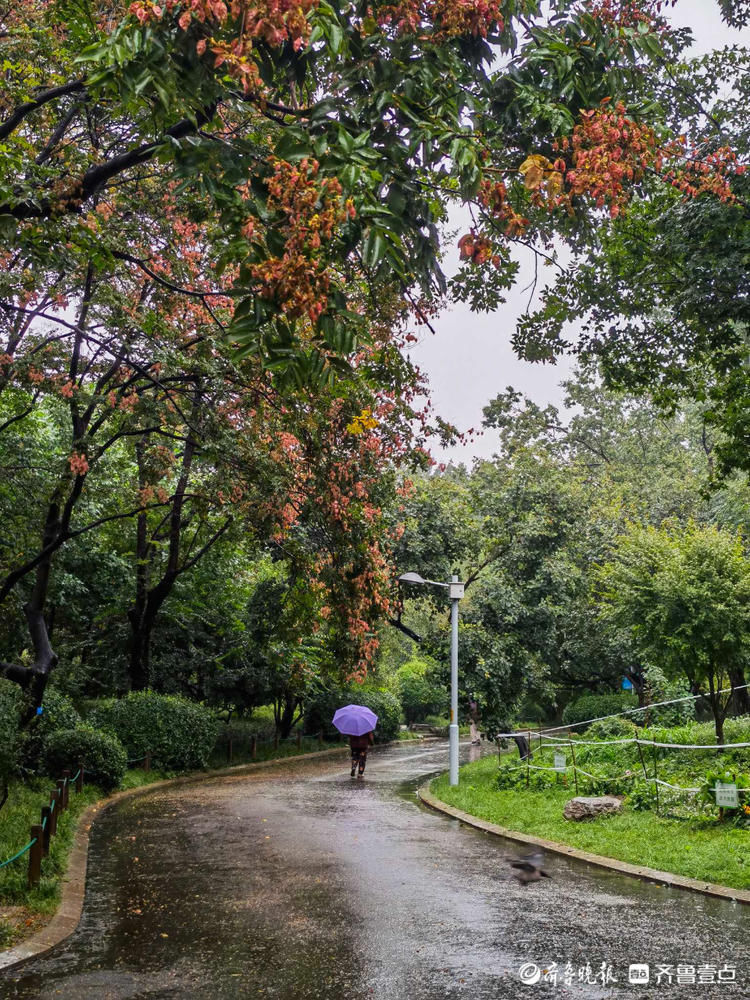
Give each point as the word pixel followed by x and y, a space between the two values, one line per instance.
pixel 179 734
pixel 10 737
pixel 661 689
pixel 612 729
pixel 58 712
pixel 594 706
pixel 102 755
pixel 420 696
pixel 321 707
pixel 641 797
pixel 388 710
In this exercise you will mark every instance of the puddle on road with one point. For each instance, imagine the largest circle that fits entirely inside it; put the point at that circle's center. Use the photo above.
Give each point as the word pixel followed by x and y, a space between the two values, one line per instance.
pixel 302 884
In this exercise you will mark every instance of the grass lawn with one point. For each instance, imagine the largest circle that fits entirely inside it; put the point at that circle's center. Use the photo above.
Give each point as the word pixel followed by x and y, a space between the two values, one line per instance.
pixel 698 848
pixel 22 910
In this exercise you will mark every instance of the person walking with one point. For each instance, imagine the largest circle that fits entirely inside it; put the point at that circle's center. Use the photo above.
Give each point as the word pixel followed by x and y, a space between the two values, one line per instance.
pixel 474 721
pixel 359 747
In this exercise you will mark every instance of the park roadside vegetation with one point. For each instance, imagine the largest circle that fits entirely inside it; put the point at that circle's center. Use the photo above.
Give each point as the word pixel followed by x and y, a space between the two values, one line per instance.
pixel 684 834
pixel 112 738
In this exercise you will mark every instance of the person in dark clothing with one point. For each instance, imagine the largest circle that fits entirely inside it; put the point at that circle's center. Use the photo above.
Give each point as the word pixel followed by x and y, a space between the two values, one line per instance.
pixel 359 746
pixel 474 721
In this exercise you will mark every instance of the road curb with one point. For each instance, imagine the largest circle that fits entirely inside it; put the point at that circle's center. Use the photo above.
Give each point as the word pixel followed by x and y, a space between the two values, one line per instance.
pixel 68 913
pixel 622 867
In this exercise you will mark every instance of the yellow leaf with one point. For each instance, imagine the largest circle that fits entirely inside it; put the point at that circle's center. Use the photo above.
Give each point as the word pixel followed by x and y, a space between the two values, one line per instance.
pixel 533 170
pixel 554 184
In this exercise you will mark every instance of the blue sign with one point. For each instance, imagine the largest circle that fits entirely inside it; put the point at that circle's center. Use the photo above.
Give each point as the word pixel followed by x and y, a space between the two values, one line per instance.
pixel 626 684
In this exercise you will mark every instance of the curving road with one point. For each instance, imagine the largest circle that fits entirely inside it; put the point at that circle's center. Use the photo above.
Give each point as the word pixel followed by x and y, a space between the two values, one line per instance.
pixel 298 883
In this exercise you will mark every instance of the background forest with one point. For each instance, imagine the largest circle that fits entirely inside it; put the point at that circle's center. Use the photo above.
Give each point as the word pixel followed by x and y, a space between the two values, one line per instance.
pixel 223 229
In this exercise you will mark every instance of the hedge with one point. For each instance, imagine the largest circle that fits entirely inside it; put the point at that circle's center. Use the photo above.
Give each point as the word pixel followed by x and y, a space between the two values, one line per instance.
pixel 58 713
pixel 102 755
pixel 179 734
pixel 594 706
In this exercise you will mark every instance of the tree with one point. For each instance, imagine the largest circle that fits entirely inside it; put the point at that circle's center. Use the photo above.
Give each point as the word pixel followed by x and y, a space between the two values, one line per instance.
pixel 191 176
pixel 530 528
pixel 683 593
pixel 325 140
pixel 660 299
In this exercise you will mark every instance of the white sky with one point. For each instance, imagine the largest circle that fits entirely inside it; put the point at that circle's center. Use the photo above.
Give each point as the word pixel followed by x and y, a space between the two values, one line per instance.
pixel 470 359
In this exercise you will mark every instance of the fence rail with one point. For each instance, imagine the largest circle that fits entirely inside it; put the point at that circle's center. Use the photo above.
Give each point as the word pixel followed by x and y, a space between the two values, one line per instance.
pixel 558 744
pixel 42 832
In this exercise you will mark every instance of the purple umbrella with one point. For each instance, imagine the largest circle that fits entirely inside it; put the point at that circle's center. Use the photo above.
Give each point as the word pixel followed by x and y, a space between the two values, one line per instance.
pixel 355 720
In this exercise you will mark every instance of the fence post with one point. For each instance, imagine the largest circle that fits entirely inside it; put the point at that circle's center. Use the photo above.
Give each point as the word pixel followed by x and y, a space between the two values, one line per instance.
pixel 46 824
pixel 253 747
pixel 229 749
pixel 276 740
pixel 656 780
pixel 54 810
pixel 320 738
pixel 79 780
pixel 575 767
pixel 35 857
pixel 299 739
pixel 66 786
pixel 61 794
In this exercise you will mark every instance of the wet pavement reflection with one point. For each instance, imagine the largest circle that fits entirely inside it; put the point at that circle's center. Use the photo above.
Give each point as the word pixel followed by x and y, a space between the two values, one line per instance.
pixel 299 883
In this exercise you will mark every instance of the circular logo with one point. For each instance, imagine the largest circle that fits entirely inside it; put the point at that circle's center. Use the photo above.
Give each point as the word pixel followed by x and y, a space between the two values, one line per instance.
pixel 530 973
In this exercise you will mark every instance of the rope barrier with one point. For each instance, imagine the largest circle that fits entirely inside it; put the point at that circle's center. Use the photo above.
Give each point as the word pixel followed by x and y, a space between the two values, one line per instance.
pixel 53 803
pixel 557 742
pixel 18 855
pixel 634 711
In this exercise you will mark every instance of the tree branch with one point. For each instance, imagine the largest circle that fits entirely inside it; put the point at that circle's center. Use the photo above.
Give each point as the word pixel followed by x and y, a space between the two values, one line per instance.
pixel 15 119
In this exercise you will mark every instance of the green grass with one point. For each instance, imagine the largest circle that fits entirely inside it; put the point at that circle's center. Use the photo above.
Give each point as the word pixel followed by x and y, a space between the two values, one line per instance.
pixel 23 809
pixel 700 848
pixel 19 813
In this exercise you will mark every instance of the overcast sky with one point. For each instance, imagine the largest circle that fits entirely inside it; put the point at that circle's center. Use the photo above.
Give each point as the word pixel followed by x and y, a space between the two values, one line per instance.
pixel 470 359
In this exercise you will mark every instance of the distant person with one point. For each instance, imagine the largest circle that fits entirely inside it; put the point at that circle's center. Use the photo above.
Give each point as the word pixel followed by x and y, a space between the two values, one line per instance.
pixel 474 722
pixel 359 746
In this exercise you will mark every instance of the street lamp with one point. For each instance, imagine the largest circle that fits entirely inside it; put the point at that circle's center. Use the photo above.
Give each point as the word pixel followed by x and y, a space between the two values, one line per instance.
pixel 455 592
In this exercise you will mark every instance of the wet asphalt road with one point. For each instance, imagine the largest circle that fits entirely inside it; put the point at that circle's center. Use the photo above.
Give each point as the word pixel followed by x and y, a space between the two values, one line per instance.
pixel 298 883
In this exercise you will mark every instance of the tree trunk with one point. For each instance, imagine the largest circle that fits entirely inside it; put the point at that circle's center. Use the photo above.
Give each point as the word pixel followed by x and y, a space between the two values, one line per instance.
pixel 140 651
pixel 284 711
pixel 719 711
pixel 149 599
pixel 740 699
pixel 34 679
pixel 140 637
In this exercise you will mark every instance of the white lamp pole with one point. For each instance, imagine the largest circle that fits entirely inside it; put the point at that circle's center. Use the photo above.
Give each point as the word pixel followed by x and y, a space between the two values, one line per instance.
pixel 456 592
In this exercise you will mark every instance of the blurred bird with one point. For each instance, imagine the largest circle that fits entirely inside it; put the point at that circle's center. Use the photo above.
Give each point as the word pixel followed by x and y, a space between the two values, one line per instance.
pixel 528 868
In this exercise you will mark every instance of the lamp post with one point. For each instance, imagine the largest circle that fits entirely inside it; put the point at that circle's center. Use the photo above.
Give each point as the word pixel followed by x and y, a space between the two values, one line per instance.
pixel 455 592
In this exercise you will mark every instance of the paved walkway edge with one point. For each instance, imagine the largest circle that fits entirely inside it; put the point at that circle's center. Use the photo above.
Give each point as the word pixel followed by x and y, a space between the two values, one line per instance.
pixel 68 914
pixel 623 867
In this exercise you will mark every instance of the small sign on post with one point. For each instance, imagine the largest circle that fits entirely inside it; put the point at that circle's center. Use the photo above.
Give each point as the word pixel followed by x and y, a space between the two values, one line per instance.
pixel 726 795
pixel 561 764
